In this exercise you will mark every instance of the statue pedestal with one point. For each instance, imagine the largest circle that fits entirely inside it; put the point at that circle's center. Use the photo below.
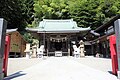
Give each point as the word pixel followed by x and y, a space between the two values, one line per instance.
pixel 28 55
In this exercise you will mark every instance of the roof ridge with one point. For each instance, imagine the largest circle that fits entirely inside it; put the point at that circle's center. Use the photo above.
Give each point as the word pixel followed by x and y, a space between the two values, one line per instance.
pixel 57 20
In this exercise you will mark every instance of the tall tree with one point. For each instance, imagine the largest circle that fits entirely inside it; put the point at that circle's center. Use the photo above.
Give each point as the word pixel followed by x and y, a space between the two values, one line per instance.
pixel 84 12
pixel 93 13
pixel 51 9
pixel 16 12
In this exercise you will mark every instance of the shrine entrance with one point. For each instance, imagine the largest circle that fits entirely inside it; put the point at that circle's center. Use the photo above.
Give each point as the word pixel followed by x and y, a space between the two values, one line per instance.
pixel 57 43
pixel 58 46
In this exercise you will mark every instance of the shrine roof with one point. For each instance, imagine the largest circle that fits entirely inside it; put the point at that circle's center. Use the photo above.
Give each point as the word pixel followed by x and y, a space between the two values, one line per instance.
pixel 58 26
pixel 107 24
pixel 11 30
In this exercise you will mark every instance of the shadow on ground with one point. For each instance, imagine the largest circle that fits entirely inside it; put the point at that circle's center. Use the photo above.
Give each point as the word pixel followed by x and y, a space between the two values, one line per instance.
pixel 111 73
pixel 17 74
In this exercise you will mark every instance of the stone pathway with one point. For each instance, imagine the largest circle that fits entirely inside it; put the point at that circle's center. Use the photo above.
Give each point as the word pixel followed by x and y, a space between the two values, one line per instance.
pixel 60 68
pixel 102 64
pixel 19 64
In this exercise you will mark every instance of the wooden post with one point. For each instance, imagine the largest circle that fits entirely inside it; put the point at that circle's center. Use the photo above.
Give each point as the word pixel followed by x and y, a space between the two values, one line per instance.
pixel 3 26
pixel 44 37
pixel 92 49
pixel 106 44
pixel 68 46
pixel 106 49
pixel 39 41
pixel 15 55
pixel 47 46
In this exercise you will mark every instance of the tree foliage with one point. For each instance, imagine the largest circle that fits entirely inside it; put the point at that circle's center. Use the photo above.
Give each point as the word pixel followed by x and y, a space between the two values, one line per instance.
pixel 87 13
pixel 84 13
pixel 17 12
pixel 93 13
pixel 28 37
pixel 51 9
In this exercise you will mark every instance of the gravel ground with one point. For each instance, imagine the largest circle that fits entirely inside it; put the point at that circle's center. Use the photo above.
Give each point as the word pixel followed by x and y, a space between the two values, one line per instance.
pixel 102 64
pixel 17 65
pixel 61 68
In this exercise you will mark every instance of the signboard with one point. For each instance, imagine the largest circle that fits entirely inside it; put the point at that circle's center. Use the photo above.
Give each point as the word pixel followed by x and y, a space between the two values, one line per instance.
pixel 3 26
pixel 117 33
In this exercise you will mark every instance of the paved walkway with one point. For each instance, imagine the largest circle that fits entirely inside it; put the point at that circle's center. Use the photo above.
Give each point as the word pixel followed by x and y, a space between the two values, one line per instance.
pixel 61 68
pixel 102 64
pixel 19 64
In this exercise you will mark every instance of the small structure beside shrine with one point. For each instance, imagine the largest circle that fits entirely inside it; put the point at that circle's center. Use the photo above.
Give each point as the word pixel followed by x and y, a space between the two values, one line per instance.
pixel 17 43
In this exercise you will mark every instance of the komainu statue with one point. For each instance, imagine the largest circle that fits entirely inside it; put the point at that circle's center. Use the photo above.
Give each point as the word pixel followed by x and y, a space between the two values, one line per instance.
pixel 40 51
pixel 76 52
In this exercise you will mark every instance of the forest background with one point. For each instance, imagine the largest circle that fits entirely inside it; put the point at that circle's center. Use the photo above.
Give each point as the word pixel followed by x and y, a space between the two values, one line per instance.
pixel 28 13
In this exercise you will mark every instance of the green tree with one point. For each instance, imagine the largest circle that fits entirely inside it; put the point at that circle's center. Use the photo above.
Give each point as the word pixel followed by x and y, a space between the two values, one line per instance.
pixel 50 9
pixel 27 11
pixel 93 13
pixel 16 12
pixel 28 37
pixel 84 12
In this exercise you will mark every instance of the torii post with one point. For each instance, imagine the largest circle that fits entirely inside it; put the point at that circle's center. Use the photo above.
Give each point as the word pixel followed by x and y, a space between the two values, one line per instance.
pixel 117 33
pixel 3 26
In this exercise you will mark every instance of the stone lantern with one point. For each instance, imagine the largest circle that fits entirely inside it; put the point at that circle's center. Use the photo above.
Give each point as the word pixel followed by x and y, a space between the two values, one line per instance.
pixel 82 48
pixel 28 51
pixel 40 51
pixel 34 51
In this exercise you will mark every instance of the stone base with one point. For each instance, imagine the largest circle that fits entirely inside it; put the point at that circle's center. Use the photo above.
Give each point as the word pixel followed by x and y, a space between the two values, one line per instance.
pixel 82 55
pixel 118 73
pixel 27 55
pixel 1 67
pixel 33 57
pixel 77 55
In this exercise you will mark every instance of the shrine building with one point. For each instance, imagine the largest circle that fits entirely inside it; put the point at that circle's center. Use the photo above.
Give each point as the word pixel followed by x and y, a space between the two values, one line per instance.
pixel 58 35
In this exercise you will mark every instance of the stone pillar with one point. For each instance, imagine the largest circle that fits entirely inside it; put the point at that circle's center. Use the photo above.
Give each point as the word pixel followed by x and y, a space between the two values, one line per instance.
pixel 3 26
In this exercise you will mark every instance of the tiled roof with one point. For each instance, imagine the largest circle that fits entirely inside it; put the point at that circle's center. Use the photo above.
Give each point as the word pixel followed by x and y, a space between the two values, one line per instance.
pixel 11 30
pixel 58 26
